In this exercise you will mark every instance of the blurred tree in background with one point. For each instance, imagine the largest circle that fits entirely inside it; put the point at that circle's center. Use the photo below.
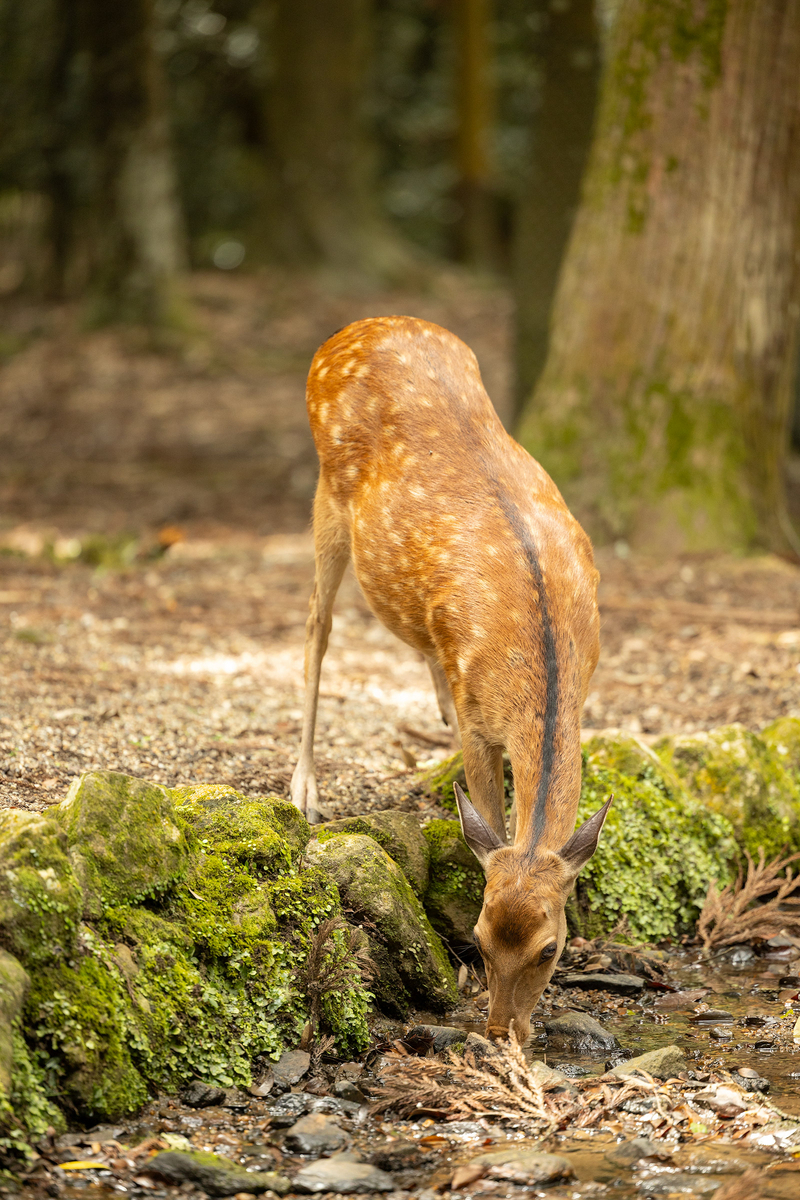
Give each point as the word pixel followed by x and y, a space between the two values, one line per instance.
pixel 664 407
pixel 379 139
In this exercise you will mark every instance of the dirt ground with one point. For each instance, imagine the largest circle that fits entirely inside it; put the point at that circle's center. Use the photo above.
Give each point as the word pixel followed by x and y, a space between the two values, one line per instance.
pixel 187 665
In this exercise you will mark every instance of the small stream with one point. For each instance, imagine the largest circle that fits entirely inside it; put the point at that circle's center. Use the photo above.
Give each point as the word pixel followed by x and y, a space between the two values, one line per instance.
pixel 736 1011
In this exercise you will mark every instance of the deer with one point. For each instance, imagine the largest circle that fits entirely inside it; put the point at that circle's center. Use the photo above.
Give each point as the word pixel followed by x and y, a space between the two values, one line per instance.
pixel 464 548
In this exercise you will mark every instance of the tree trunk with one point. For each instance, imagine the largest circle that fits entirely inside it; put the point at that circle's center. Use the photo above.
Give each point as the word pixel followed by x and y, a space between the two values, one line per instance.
pixel 477 227
pixel 663 408
pixel 326 203
pixel 546 210
pixel 136 243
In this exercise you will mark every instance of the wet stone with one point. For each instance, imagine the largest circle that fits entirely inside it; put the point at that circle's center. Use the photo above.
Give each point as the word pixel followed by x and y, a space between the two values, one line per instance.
pixel 581 1032
pixel 551 1080
pixel 721 1033
pixel 216 1176
pixel 202 1095
pixel 315 1134
pixel 445 1037
pixel 749 1080
pixel 621 985
pixel 711 1016
pixel 400 1156
pixel 679 1182
pixel 525 1166
pixel 754 1017
pixel 346 1089
pixel 665 1063
pixel 291 1067
pixel 339 1174
pixel 285 1111
pixel 630 1152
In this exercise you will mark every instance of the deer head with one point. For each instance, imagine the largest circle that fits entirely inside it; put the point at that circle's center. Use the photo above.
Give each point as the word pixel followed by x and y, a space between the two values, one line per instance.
pixel 522 928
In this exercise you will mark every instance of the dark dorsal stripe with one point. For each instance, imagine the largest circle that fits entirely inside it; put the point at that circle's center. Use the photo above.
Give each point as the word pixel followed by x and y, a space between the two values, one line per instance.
pixel 539 817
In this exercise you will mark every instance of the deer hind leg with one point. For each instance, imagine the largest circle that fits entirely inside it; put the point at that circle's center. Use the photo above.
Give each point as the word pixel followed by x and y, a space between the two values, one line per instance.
pixel 483 767
pixel 331 552
pixel 445 697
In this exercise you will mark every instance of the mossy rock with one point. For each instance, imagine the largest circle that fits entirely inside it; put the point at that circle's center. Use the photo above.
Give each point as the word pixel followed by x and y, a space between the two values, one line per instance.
pixel 269 833
pixel 14 984
pixel 783 736
pixel 454 897
pixel 400 836
pixel 124 840
pixel 373 887
pixel 739 775
pixel 40 899
pixel 190 962
pixel 659 848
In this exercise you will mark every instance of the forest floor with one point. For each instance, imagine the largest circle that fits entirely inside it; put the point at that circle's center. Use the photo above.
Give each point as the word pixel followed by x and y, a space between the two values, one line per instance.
pixel 187 664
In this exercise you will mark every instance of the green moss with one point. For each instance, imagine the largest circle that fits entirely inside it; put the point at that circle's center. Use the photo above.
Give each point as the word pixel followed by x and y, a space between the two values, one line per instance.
pixel 659 847
pixel 125 841
pixel 455 893
pixel 783 737
pixel 269 834
pixel 83 1026
pixel 741 776
pixel 27 1112
pixel 40 900
pixel 398 833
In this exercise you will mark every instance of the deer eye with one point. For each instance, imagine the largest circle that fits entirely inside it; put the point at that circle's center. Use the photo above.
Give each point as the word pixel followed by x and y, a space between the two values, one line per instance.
pixel 548 951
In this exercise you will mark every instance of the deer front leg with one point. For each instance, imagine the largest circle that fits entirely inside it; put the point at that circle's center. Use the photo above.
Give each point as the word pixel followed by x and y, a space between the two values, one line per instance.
pixel 331 559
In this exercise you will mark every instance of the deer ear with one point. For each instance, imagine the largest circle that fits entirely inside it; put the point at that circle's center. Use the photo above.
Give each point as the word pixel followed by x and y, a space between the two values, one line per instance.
pixel 480 837
pixel 583 843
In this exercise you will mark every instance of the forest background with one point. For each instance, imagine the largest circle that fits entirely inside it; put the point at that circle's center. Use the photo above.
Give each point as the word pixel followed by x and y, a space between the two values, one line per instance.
pixel 606 196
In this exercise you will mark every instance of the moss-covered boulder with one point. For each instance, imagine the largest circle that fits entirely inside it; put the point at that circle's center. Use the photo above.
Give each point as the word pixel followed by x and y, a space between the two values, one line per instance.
pixel 191 957
pixel 455 891
pixel 400 836
pixel 124 841
pixel 783 736
pixel 40 899
pixel 744 778
pixel 659 848
pixel 14 984
pixel 374 888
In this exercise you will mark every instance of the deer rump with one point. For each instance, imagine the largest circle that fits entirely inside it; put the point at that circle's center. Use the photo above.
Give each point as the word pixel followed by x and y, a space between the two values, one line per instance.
pixel 465 549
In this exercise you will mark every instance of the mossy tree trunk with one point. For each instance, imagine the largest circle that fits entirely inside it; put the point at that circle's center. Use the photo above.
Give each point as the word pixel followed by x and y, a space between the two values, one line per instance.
pixel 136 248
pixel 663 408
pixel 546 209
pixel 320 148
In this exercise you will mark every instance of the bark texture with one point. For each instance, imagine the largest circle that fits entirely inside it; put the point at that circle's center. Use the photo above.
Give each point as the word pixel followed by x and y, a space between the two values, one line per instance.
pixel 477 233
pixel 663 408
pixel 319 142
pixel 137 248
pixel 546 210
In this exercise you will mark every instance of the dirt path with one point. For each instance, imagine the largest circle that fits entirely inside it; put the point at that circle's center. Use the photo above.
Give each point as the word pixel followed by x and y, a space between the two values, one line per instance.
pixel 189 667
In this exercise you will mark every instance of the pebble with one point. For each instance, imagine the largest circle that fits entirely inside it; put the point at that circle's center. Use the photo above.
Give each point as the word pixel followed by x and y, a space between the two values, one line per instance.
pixel 525 1166
pixel 315 1134
pixel 630 1152
pixel 581 1031
pixel 721 1033
pixel 622 985
pixel 444 1037
pixel 202 1095
pixel 665 1063
pixel 215 1175
pixel 400 1156
pixel 286 1110
pixel 339 1174
pixel 291 1067
pixel 676 1183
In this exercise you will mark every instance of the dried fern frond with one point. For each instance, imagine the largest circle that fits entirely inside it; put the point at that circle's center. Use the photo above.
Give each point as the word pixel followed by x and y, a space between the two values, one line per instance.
pixel 502 1086
pixel 332 968
pixel 732 915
